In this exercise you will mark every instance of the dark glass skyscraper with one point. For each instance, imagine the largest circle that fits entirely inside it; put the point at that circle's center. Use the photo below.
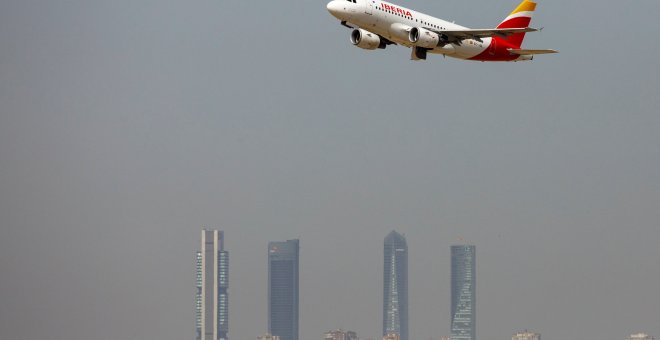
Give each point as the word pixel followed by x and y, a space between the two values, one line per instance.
pixel 212 281
pixel 283 289
pixel 463 292
pixel 395 285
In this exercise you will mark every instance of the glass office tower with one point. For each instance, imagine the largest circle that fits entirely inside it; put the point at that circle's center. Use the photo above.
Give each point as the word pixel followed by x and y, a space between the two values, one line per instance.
pixel 463 292
pixel 212 281
pixel 283 289
pixel 395 286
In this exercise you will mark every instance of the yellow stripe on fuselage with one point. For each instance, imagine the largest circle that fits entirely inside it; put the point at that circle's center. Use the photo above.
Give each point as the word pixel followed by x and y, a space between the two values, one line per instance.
pixel 525 6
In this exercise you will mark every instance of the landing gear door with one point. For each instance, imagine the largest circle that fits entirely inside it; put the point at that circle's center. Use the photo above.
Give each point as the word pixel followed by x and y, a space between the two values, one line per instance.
pixel 369 6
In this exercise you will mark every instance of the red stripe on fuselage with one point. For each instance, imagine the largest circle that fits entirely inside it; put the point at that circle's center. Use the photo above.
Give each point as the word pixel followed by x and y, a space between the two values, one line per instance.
pixel 496 51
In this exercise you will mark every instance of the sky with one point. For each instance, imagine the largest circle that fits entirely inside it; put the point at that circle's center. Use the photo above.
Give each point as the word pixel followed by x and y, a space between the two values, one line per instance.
pixel 128 126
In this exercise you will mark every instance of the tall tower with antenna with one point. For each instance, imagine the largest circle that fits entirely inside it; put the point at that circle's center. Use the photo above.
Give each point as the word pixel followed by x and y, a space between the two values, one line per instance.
pixel 395 286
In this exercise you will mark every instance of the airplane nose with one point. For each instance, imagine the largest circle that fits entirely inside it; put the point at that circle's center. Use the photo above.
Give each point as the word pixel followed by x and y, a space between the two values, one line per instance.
pixel 334 7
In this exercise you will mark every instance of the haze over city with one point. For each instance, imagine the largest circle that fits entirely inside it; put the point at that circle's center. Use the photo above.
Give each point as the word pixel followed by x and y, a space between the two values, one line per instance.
pixel 128 126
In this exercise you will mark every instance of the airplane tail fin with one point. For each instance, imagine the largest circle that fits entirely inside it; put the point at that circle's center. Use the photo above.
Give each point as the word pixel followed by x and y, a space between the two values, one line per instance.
pixel 519 18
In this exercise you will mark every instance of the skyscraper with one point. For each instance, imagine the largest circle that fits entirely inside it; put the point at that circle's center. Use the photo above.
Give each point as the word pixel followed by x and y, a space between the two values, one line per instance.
pixel 283 289
pixel 212 281
pixel 395 286
pixel 463 292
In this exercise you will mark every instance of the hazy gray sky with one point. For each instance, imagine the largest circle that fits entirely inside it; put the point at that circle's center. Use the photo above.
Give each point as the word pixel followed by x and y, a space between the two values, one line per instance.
pixel 126 126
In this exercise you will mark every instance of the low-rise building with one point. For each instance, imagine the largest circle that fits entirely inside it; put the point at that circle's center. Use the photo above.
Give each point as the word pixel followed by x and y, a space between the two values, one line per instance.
pixel 526 335
pixel 391 336
pixel 268 336
pixel 340 334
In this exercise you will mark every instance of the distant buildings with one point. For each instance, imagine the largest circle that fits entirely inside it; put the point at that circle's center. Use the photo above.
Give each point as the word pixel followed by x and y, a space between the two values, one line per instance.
pixel 211 299
pixel 283 259
pixel 268 336
pixel 395 287
pixel 525 335
pixel 212 307
pixel 339 334
pixel 463 292
pixel 640 336
pixel 391 336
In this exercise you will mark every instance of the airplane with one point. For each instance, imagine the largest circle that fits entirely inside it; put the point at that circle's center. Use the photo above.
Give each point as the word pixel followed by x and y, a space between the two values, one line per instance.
pixel 377 23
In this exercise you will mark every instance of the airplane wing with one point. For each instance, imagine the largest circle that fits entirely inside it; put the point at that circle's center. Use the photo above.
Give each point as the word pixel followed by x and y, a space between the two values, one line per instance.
pixel 530 52
pixel 457 35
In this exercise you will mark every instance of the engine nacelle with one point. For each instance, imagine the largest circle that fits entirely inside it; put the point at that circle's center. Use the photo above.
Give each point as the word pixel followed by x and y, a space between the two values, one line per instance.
pixel 365 39
pixel 424 38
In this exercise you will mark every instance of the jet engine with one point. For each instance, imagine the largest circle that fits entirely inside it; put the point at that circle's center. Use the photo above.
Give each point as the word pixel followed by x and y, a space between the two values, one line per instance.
pixel 422 37
pixel 365 39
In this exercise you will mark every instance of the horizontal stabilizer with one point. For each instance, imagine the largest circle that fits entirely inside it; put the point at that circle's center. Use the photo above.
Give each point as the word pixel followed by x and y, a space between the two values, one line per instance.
pixel 530 52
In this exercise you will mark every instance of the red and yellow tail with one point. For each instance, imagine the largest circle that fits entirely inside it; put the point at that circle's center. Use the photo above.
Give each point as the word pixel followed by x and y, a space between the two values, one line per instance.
pixel 519 18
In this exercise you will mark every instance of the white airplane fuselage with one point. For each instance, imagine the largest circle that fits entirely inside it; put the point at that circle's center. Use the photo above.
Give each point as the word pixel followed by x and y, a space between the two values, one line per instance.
pixel 393 24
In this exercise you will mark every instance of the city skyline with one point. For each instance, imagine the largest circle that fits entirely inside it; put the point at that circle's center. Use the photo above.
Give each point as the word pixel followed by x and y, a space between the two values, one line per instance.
pixel 283 274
